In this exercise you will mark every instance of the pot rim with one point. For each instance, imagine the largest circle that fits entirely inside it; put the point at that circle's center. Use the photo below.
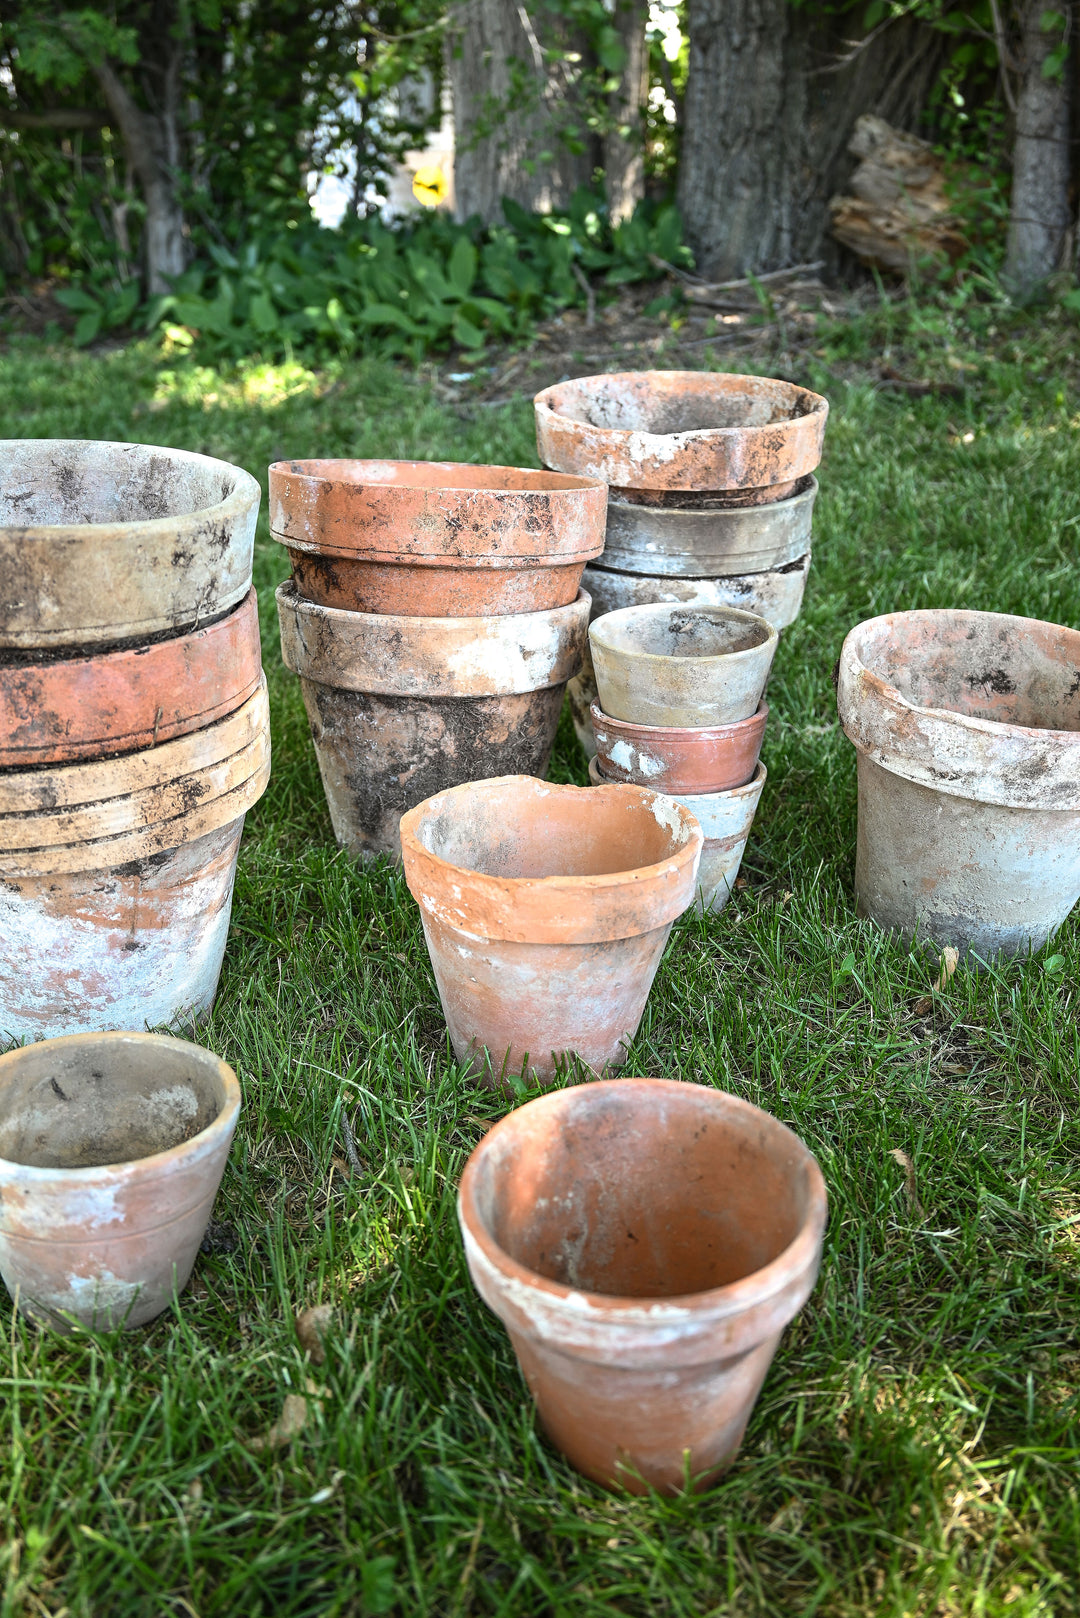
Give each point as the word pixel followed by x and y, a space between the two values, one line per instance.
pixel 935 737
pixel 713 1303
pixel 698 803
pixel 715 660
pixel 719 516
pixel 144 529
pixel 520 908
pixel 564 482
pixel 762 385
pixel 694 735
pixel 195 1146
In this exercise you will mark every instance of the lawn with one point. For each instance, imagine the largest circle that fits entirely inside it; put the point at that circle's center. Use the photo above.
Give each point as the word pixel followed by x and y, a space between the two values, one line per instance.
pixel 915 1448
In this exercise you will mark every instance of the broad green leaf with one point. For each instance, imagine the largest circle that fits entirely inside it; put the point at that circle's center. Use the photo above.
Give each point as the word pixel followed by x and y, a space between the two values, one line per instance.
pixel 462 266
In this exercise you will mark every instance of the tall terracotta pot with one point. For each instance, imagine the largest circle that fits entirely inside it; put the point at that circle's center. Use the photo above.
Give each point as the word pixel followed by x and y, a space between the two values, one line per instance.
pixel 434 539
pixel 402 707
pixel 683 430
pixel 967 726
pixel 112 1148
pixel 102 543
pixel 546 910
pixel 645 1243
pixel 116 880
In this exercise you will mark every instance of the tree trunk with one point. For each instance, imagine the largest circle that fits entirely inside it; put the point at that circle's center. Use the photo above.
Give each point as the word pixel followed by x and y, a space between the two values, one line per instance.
pixel 624 145
pixel 512 107
pixel 1039 210
pixel 152 150
pixel 772 98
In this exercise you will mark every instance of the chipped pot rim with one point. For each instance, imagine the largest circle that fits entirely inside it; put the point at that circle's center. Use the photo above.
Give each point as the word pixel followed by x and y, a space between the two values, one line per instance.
pixel 244 494
pixel 651 612
pixel 612 1309
pixel 224 1122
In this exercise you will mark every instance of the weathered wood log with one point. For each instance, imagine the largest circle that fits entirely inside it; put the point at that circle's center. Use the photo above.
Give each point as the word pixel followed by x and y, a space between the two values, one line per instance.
pixel 899 211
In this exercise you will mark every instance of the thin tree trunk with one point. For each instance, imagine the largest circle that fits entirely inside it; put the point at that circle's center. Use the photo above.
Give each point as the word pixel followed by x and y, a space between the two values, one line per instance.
pixel 149 143
pixel 1039 210
pixel 624 145
pixel 511 107
pixel 772 98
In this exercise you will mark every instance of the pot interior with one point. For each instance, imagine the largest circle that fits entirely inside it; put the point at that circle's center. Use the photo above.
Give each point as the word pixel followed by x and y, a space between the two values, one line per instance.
pixel 640 1192
pixel 985 665
pixel 60 483
pixel 688 631
pixel 81 1103
pixel 432 475
pixel 662 402
pixel 523 828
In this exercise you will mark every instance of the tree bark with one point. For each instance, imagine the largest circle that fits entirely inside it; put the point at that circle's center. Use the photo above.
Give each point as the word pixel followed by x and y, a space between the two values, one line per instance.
pixel 772 98
pixel 151 147
pixel 624 144
pixel 1039 209
pixel 511 107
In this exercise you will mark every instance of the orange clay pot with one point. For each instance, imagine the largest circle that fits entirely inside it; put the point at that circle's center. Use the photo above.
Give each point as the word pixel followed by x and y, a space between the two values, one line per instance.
pixel 435 539
pixel 546 910
pixel 91 707
pixel 676 759
pixel 112 1148
pixel 645 1243
pixel 683 430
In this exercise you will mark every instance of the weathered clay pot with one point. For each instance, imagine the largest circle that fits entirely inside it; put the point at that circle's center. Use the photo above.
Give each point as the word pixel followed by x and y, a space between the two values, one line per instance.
pixel 677 760
pixel 681 666
pixel 546 910
pixel 435 539
pixel 116 702
pixel 400 708
pixel 645 1242
pixel 776 596
pixel 112 1148
pixel 102 543
pixel 116 880
pixel 694 430
pixel 725 819
pixel 967 726
pixel 688 543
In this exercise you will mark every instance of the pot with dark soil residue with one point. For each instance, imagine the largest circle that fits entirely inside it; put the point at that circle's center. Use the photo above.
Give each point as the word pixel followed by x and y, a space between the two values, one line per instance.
pixel 546 910
pixel 645 1243
pixel 967 727
pixel 435 539
pixel 401 708
pixel 112 1148
pixel 116 880
pixel 104 543
pixel 670 432
pixel 63 709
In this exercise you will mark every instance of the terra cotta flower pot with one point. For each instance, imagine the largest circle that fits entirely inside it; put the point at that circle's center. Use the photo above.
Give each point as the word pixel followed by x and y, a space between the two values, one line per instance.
pixel 112 1148
pixel 402 707
pixel 546 910
pixel 967 726
pixel 102 543
pixel 679 759
pixel 686 542
pixel 681 666
pixel 645 1243
pixel 685 430
pixel 435 539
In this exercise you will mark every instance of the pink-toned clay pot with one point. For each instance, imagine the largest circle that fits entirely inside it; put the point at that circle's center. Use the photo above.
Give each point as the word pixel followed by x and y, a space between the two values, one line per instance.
pixel 435 539
pixel 83 708
pixel 645 1243
pixel 546 910
pixel 676 759
pixel 112 1148
pixel 683 430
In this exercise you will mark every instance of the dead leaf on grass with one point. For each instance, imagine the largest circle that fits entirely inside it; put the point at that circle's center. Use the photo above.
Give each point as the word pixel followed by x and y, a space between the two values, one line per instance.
pixel 289 1424
pixel 311 1328
pixel 950 959
pixel 898 1155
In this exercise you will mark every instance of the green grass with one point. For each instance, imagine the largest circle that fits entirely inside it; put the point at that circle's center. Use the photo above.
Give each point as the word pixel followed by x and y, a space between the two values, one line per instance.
pixel 915 1448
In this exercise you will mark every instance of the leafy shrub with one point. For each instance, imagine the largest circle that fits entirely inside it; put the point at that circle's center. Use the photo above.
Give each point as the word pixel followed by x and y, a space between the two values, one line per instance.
pixel 403 291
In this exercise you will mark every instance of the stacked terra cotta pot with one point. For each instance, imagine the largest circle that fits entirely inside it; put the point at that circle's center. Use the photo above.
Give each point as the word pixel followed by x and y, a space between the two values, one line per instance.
pixel 679 710
pixel 711 491
pixel 134 731
pixel 434 617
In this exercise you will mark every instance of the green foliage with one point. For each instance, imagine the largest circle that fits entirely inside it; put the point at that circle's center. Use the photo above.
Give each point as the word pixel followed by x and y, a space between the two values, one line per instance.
pixel 404 291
